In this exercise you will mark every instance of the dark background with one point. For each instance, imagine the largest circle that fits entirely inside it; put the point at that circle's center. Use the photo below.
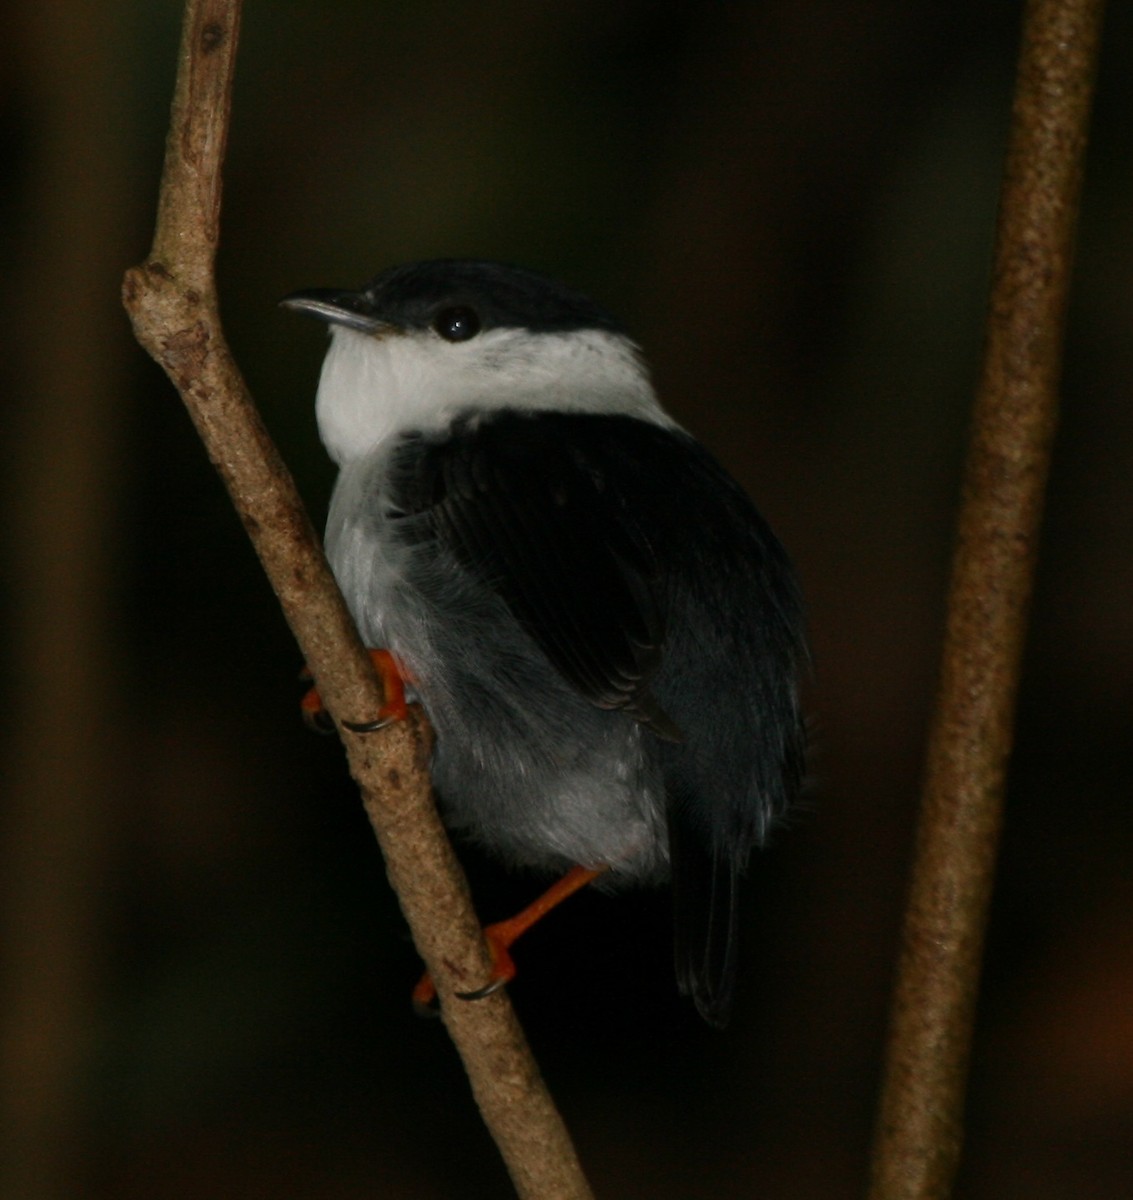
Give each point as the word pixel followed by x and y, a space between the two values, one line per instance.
pixel 791 203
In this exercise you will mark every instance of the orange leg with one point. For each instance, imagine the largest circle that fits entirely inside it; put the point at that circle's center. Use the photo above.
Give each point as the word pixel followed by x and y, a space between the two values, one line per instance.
pixel 394 709
pixel 503 934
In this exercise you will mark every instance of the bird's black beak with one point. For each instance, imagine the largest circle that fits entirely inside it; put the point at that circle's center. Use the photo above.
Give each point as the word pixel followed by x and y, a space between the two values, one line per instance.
pixel 354 310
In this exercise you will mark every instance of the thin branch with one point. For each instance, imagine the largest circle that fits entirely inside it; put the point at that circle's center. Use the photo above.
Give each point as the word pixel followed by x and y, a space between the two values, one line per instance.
pixel 172 302
pixel 920 1124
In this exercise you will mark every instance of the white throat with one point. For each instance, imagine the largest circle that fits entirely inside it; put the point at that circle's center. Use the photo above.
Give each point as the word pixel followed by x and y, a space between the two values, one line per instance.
pixel 374 387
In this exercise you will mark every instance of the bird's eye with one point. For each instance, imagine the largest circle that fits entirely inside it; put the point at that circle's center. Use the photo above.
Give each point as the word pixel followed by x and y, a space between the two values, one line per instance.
pixel 457 324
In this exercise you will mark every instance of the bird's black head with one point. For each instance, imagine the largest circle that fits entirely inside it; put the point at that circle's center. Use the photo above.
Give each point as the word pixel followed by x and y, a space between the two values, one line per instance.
pixel 459 297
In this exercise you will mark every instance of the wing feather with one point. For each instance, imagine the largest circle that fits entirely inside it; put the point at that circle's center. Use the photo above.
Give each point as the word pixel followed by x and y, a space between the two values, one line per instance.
pixel 542 519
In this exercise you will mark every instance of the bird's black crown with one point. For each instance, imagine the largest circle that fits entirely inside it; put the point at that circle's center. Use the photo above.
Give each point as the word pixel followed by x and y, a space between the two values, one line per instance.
pixel 501 296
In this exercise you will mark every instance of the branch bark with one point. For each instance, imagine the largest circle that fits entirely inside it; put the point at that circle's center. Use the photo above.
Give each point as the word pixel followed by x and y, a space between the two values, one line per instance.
pixel 919 1131
pixel 172 302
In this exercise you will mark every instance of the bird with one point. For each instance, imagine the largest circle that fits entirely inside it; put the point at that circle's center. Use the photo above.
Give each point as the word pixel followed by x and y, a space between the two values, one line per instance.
pixel 605 634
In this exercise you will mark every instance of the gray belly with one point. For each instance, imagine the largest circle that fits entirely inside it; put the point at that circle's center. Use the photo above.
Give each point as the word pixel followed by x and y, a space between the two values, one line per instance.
pixel 523 764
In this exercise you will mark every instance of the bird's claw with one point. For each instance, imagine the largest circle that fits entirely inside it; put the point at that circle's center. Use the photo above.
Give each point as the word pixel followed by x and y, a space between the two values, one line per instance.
pixel 379 722
pixel 425 995
pixel 499 938
pixel 480 993
pixel 395 708
pixel 502 935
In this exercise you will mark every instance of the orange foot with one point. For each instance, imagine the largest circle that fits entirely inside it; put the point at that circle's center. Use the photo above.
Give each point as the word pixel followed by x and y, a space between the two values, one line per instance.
pixel 394 709
pixel 502 936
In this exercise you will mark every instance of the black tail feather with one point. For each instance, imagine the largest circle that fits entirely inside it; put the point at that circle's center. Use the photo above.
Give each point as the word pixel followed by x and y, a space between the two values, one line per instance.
pixel 705 910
